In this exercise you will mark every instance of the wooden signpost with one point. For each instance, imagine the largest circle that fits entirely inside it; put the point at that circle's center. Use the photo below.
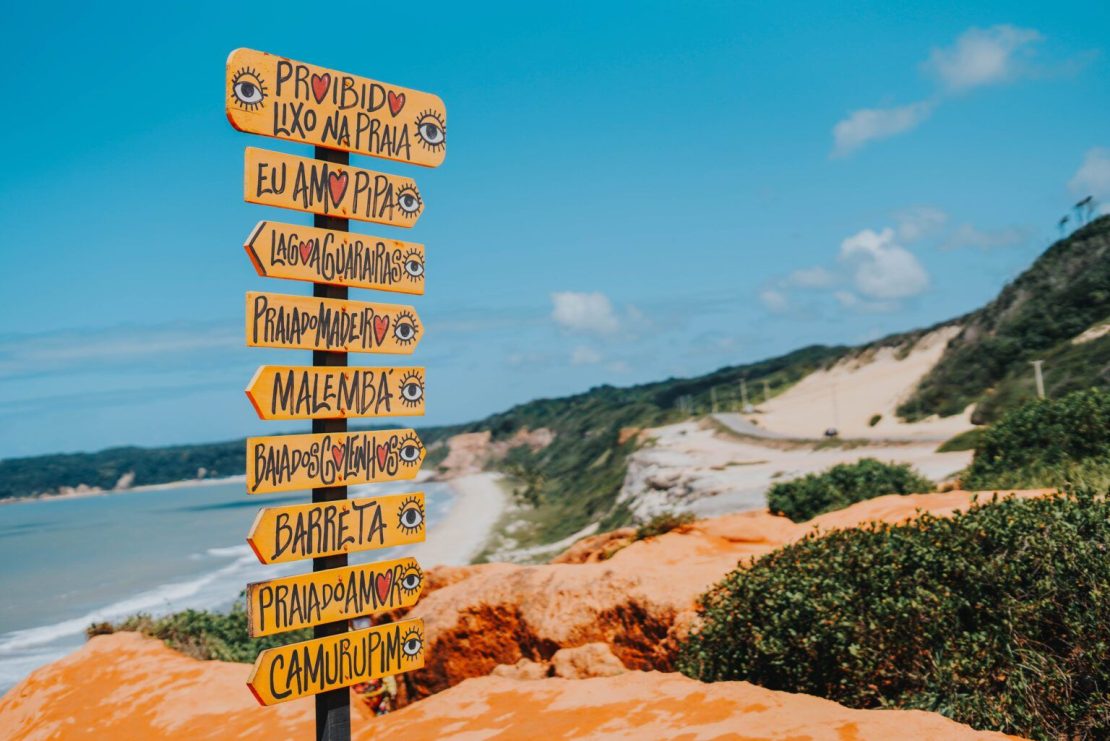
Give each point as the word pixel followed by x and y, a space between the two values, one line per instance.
pixel 291 462
pixel 338 113
pixel 308 392
pixel 332 325
pixel 299 102
pixel 299 531
pixel 336 258
pixel 306 600
pixel 329 189
pixel 336 662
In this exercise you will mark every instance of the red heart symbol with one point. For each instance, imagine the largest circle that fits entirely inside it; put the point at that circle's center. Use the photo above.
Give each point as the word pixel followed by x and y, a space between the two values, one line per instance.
pixel 320 86
pixel 383 582
pixel 383 454
pixel 381 325
pixel 337 453
pixel 306 250
pixel 396 102
pixel 337 184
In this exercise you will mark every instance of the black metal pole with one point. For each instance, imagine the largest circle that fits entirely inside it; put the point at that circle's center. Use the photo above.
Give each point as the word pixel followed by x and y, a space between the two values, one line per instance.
pixel 333 708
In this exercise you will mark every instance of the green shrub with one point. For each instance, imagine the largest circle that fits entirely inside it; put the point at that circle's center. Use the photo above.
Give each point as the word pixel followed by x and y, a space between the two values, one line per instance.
pixel 966 440
pixel 664 522
pixel 813 494
pixel 997 617
pixel 204 635
pixel 875 419
pixel 1046 443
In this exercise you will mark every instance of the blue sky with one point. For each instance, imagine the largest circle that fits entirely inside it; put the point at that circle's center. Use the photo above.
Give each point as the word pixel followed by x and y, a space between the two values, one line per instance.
pixel 631 191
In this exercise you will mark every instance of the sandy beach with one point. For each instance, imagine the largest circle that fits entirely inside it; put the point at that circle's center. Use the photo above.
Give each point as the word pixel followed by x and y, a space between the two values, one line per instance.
pixel 455 540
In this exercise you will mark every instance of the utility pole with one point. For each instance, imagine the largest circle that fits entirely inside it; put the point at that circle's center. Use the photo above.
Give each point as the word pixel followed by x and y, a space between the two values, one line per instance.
pixel 766 391
pixel 713 397
pixel 1039 377
pixel 745 406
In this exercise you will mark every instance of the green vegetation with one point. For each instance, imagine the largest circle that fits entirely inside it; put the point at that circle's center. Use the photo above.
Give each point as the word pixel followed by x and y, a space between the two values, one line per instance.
pixel 1065 292
pixel 204 635
pixel 1047 442
pixel 664 522
pixel 804 498
pixel 996 617
pixel 575 480
pixel 875 419
pixel 966 440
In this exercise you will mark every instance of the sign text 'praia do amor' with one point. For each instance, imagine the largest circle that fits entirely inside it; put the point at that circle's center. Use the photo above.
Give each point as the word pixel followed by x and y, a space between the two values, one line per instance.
pixel 345 593
pixel 335 325
pixel 336 392
pixel 322 664
pixel 290 462
pixel 328 189
pixel 299 531
pixel 337 258
pixel 299 102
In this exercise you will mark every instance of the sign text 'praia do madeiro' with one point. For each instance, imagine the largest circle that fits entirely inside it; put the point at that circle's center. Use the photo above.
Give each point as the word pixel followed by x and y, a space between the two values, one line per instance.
pixel 304 600
pixel 298 531
pixel 336 392
pixel 333 325
pixel 298 102
pixel 322 664
pixel 336 258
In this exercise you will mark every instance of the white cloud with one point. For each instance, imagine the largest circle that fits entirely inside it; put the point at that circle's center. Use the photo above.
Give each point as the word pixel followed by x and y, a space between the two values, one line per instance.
pixel 983 56
pixel 583 355
pixel 815 277
pixel 918 222
pixel 967 235
pixel 869 124
pixel 883 268
pixel 775 301
pixel 584 312
pixel 849 300
pixel 1093 176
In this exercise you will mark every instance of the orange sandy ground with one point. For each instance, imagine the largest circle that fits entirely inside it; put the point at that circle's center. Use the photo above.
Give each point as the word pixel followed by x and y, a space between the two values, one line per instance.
pixel 125 686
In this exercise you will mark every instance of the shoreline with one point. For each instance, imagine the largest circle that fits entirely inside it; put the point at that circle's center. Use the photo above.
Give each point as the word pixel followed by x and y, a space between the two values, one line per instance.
pixel 82 493
pixel 463 532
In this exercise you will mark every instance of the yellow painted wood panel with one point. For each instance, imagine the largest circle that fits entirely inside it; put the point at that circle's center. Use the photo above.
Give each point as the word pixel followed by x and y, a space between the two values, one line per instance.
pixel 291 462
pixel 299 531
pixel 321 187
pixel 336 325
pixel 328 596
pixel 336 392
pixel 338 258
pixel 299 102
pixel 321 664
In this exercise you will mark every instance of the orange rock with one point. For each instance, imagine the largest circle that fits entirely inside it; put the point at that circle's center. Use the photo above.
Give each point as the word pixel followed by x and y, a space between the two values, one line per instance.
pixel 641 601
pixel 124 686
pixel 651 705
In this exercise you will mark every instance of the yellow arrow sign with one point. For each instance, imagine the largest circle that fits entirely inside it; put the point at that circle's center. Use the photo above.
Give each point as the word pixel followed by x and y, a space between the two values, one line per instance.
pixel 337 258
pixel 337 325
pixel 290 462
pixel 299 102
pixel 329 392
pixel 321 187
pixel 321 664
pixel 300 531
pixel 329 596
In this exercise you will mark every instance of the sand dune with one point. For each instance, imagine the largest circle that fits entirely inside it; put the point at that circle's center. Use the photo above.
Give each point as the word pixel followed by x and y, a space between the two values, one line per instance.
pixel 847 395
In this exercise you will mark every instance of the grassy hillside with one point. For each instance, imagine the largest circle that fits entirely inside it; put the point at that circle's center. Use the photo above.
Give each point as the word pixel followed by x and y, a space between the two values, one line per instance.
pixel 587 426
pixel 1065 292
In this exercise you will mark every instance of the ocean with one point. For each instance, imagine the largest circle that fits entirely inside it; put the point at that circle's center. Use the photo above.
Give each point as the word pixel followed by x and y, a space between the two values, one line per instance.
pixel 68 562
